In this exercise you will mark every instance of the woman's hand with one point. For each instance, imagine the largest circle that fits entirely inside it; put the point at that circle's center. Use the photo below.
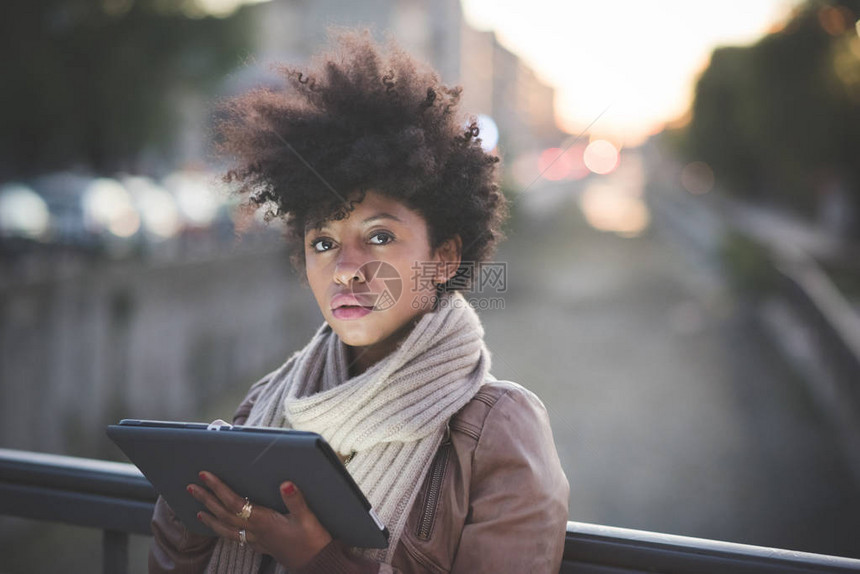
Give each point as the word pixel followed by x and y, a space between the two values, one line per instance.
pixel 292 539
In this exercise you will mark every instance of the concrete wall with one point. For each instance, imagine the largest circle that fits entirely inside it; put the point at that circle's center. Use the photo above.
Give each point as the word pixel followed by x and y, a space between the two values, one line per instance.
pixel 86 342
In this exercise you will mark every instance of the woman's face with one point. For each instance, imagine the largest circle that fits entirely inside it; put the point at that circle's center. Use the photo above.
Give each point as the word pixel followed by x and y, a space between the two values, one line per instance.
pixel 373 274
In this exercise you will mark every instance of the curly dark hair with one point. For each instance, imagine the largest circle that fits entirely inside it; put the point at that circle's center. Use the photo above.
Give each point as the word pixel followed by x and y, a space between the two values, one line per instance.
pixel 360 118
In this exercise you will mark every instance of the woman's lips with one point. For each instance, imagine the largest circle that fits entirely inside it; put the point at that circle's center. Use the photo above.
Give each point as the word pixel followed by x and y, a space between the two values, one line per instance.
pixel 348 305
pixel 348 313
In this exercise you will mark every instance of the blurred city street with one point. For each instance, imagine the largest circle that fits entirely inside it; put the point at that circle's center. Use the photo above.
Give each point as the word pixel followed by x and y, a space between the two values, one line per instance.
pixel 671 410
pixel 679 284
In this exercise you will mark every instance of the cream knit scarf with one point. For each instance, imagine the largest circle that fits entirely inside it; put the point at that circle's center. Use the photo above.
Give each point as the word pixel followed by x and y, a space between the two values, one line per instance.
pixel 392 416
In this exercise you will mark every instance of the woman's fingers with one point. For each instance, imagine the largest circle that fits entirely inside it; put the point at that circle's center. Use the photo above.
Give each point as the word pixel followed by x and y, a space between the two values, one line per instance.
pixel 219 499
pixel 293 539
pixel 208 500
pixel 294 500
pixel 223 530
pixel 230 501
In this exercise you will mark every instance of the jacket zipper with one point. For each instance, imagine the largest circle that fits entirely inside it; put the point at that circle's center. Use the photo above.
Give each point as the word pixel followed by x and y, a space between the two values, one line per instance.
pixel 437 471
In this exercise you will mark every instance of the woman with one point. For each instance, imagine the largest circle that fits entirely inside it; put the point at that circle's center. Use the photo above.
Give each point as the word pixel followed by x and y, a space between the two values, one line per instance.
pixel 389 204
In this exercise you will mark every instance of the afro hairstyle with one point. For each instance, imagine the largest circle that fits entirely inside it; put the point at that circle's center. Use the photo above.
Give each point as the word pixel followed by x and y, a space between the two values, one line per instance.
pixel 364 117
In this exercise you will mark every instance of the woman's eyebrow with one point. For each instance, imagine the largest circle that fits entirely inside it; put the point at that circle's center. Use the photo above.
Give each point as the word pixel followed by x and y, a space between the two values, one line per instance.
pixel 382 216
pixel 324 224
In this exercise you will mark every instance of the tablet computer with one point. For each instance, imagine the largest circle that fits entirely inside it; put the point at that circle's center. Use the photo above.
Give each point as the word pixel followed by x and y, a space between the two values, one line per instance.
pixel 253 462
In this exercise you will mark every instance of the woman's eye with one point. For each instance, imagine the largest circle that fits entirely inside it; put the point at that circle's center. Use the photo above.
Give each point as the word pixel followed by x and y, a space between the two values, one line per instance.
pixel 381 238
pixel 322 244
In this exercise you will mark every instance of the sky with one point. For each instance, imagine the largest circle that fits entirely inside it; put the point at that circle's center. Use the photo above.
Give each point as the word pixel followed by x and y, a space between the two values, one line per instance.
pixel 628 66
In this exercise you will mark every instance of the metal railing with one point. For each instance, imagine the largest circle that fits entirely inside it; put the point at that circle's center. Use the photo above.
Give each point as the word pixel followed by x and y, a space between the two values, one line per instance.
pixel 111 496
pixel 117 499
pixel 828 314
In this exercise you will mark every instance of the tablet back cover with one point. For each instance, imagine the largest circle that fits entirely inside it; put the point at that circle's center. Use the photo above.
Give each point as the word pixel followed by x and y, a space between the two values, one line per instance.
pixel 253 462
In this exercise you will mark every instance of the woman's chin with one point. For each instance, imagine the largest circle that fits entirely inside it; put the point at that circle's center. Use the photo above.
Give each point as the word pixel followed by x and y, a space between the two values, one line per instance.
pixel 354 337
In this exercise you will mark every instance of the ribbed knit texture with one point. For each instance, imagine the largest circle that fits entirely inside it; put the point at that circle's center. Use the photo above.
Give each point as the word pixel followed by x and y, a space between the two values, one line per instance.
pixel 392 416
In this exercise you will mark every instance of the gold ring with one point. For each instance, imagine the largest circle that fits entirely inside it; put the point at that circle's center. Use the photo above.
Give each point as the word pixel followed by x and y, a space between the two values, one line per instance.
pixel 245 513
pixel 243 538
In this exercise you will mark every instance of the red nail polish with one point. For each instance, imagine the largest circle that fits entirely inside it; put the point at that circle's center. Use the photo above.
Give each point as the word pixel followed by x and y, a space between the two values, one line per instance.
pixel 202 476
pixel 289 489
pixel 190 489
pixel 200 516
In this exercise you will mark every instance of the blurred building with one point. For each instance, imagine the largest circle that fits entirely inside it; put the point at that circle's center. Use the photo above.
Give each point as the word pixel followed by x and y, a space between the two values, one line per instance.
pixel 498 83
pixel 495 81
pixel 292 30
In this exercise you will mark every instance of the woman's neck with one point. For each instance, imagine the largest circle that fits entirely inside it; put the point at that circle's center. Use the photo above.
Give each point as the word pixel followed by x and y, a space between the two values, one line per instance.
pixel 362 358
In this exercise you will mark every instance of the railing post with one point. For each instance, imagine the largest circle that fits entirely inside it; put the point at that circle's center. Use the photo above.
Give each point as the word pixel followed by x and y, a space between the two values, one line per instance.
pixel 114 552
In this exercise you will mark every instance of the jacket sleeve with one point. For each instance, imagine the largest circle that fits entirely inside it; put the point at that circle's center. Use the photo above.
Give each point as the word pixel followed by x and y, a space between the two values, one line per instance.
pixel 174 549
pixel 518 495
pixel 241 414
pixel 335 559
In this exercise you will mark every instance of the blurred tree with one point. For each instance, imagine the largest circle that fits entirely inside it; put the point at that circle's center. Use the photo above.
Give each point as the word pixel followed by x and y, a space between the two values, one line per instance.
pixel 717 131
pixel 780 120
pixel 87 82
pixel 844 85
pixel 790 120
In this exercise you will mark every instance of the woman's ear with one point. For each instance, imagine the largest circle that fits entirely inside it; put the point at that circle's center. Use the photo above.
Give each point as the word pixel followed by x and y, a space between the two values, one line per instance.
pixel 448 255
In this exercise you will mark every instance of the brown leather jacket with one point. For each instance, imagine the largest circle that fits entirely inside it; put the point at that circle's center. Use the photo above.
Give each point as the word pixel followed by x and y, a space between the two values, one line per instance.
pixel 495 500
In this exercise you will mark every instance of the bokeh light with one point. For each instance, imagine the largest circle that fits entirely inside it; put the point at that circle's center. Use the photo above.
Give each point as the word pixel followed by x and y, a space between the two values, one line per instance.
pixel 601 157
pixel 576 162
pixel 22 212
pixel 157 207
pixel 611 208
pixel 552 164
pixel 835 20
pixel 215 8
pixel 489 132
pixel 108 205
pixel 197 202
pixel 697 177
pixel 556 164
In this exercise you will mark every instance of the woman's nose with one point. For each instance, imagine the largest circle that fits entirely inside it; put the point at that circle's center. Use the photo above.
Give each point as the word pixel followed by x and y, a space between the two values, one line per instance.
pixel 349 267
pixel 345 274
